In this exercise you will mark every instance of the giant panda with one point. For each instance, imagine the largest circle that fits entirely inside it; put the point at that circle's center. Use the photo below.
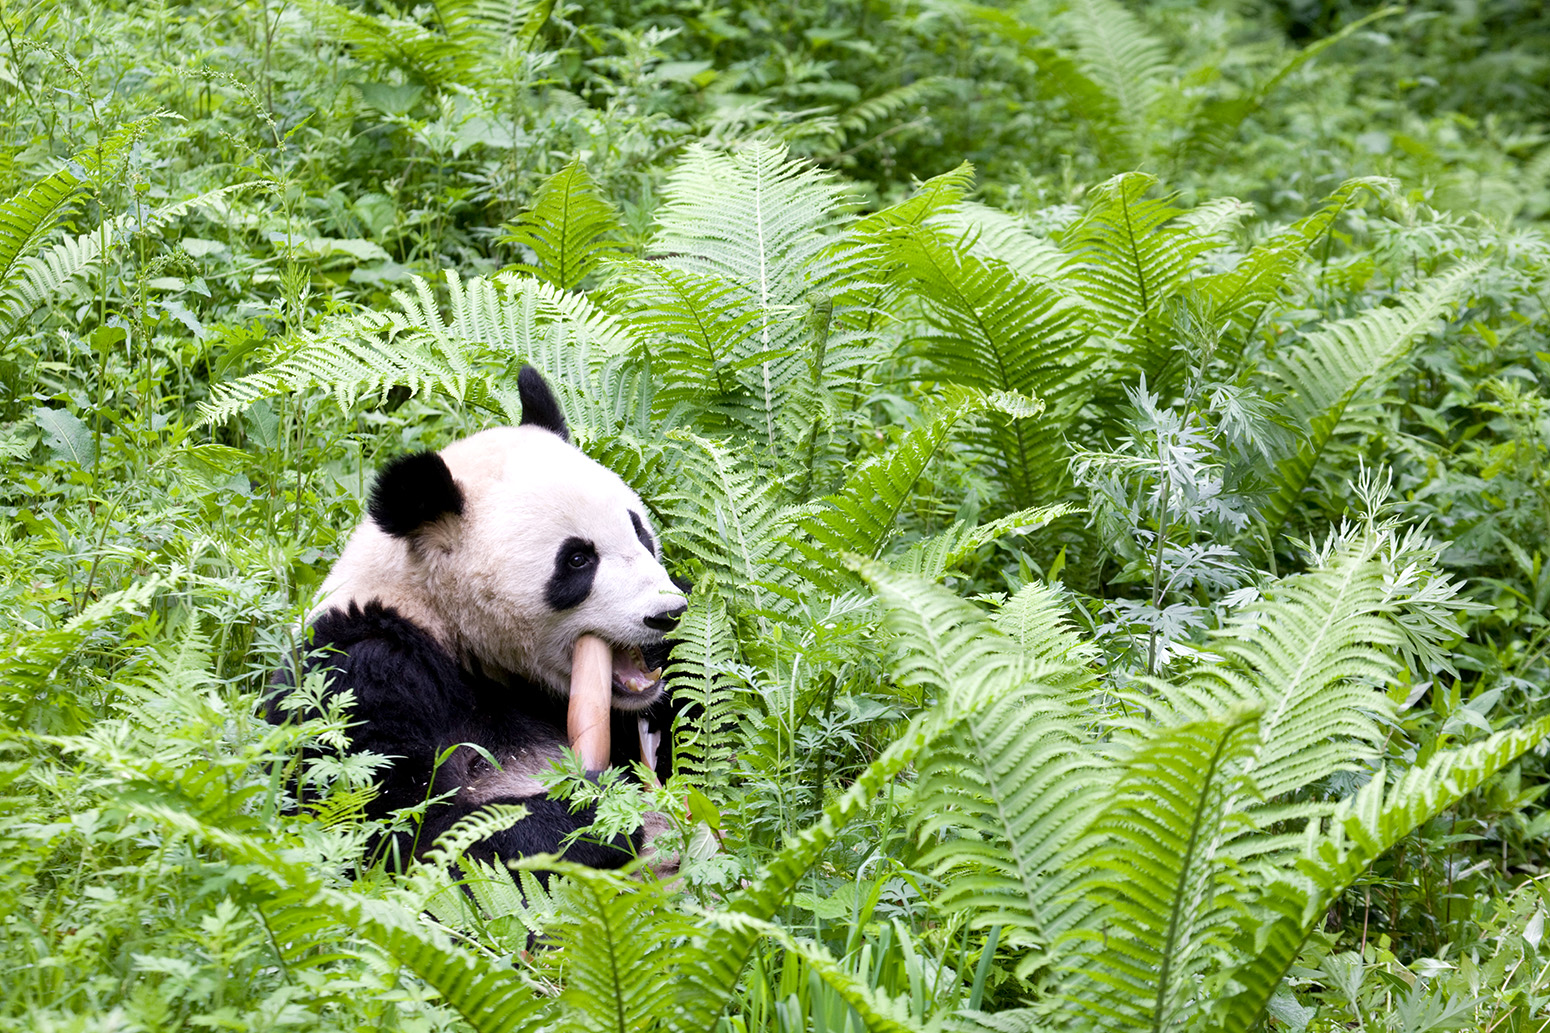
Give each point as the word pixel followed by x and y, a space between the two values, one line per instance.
pixel 452 612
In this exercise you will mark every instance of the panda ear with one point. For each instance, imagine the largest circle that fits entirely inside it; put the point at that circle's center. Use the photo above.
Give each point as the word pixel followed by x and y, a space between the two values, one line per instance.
pixel 413 490
pixel 539 406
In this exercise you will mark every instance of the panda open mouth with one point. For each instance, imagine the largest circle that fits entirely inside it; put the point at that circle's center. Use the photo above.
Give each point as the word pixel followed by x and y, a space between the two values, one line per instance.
pixel 631 678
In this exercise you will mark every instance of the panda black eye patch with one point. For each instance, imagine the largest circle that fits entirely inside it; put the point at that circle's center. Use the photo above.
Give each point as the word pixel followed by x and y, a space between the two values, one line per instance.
pixel 575 565
pixel 643 534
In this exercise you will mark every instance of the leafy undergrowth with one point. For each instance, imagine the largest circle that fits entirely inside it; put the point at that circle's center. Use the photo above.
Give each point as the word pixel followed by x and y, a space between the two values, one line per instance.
pixel 1120 598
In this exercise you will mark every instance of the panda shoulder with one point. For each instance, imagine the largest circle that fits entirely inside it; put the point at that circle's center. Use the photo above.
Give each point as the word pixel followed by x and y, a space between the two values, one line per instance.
pixel 386 659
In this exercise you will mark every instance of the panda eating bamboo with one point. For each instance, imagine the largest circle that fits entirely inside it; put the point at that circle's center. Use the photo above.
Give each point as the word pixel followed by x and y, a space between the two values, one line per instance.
pixel 499 592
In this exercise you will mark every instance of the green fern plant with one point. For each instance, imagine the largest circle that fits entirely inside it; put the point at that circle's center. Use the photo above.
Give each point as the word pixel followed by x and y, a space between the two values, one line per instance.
pixel 1131 869
pixel 991 328
pixel 1342 363
pixel 567 228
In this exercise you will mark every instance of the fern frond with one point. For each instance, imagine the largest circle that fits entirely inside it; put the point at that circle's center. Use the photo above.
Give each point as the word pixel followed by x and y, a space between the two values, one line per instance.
pixel 615 943
pixel 993 234
pixel 933 557
pixel 30 659
pixel 302 914
pixel 1273 929
pixel 1257 279
pixel 1131 256
pixel 1339 364
pixel 706 648
pixel 38 280
pixel 725 514
pixel 936 195
pixel 990 328
pixel 761 224
pixel 1308 656
pixel 433 58
pixel 1158 886
pixel 493 23
pixel 703 337
pixel 28 217
pixel 1004 797
pixel 494 327
pixel 1123 67
pixel 857 520
pixel 567 228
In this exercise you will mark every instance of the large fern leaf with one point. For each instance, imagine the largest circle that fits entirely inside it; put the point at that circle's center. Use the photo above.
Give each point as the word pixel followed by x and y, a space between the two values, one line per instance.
pixel 858 519
pixel 1158 888
pixel 1274 927
pixel 705 651
pixel 1132 255
pixel 762 225
pixel 993 329
pixel 1256 280
pixel 27 218
pixel 727 516
pixel 473 356
pixel 615 947
pixel 1308 656
pixel 699 339
pixel 1002 800
pixel 37 280
pixel 1343 362
pixel 567 228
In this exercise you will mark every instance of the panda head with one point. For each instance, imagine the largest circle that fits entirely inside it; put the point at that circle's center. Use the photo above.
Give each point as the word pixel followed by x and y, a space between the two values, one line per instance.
pixel 509 545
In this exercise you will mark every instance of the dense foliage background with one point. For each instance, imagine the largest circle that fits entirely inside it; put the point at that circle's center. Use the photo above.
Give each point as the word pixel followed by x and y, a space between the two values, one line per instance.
pixel 1110 443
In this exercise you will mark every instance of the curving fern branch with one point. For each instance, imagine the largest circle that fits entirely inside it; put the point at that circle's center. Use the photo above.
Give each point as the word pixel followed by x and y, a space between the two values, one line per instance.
pixel 727 516
pixel 1340 364
pixel 302 914
pixel 1159 882
pixel 930 626
pixel 567 228
pixel 933 557
pixel 27 218
pixel 431 57
pixel 473 356
pixel 1256 280
pixel 1275 925
pixel 859 519
pixel 702 337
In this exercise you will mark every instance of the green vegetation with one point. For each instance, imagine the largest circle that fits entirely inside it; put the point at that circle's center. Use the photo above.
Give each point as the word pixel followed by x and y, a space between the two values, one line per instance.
pixel 1110 443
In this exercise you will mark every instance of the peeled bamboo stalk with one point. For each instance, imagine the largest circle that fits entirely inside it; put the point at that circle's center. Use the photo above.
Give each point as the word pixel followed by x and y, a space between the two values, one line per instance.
pixel 591 695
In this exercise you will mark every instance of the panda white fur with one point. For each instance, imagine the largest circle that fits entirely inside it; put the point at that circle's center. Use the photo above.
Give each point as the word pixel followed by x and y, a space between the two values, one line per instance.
pixel 453 611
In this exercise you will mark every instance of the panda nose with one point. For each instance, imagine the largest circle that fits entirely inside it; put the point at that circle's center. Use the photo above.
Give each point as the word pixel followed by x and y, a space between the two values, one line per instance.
pixel 665 620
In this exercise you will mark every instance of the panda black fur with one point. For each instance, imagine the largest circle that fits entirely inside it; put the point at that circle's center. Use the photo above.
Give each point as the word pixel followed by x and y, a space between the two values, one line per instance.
pixel 453 610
